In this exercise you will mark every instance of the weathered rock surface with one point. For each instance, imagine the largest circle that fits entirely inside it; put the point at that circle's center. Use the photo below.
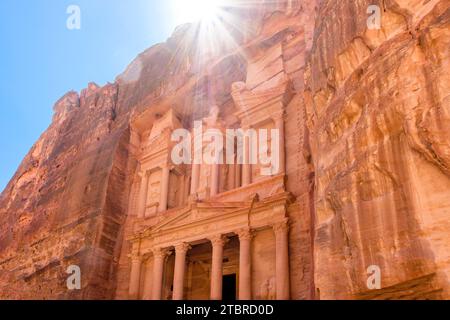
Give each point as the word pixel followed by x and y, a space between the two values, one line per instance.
pixel 66 203
pixel 368 154
pixel 378 112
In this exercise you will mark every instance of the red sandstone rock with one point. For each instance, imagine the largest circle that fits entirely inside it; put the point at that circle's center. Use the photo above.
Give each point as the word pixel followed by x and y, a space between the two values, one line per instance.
pixel 367 157
pixel 377 105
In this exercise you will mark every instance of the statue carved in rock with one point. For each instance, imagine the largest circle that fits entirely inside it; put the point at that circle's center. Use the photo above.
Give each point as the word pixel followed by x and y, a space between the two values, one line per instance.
pixel 268 289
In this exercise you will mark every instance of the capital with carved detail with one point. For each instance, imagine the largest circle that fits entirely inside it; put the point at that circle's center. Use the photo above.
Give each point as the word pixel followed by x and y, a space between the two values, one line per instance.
pixel 218 240
pixel 245 234
pixel 182 248
pixel 161 253
pixel 281 227
pixel 135 257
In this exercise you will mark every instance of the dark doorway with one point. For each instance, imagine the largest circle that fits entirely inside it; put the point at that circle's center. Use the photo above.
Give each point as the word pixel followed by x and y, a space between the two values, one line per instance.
pixel 229 288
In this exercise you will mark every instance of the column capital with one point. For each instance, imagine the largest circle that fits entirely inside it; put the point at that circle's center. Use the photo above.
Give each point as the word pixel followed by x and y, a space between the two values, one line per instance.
pixel 146 255
pixel 218 240
pixel 245 234
pixel 182 247
pixel 135 257
pixel 281 227
pixel 161 252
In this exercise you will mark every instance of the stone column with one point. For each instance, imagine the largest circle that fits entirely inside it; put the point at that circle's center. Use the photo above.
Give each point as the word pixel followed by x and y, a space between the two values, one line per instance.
pixel 195 178
pixel 180 266
pixel 282 260
pixel 218 243
pixel 148 279
pixel 245 266
pixel 159 258
pixel 279 124
pixel 246 167
pixel 232 176
pixel 143 191
pixel 237 172
pixel 182 184
pixel 164 195
pixel 135 276
pixel 215 171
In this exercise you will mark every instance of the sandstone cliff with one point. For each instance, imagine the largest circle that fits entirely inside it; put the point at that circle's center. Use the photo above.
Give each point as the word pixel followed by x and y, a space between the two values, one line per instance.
pixel 378 113
pixel 368 152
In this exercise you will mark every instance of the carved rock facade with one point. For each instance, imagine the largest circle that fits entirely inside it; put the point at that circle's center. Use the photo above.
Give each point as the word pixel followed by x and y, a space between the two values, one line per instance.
pixel 363 117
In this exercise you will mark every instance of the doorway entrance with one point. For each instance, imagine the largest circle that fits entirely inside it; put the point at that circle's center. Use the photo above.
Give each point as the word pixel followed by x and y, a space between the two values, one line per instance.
pixel 229 287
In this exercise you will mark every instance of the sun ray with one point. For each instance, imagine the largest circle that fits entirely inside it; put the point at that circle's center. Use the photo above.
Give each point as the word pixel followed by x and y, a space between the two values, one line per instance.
pixel 214 31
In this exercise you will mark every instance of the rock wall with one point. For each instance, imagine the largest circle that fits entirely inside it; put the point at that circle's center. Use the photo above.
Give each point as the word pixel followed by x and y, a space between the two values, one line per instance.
pixel 378 113
pixel 368 156
pixel 66 204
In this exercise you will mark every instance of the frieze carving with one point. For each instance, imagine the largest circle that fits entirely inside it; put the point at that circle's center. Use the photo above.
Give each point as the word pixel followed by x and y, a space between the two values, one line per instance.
pixel 189 225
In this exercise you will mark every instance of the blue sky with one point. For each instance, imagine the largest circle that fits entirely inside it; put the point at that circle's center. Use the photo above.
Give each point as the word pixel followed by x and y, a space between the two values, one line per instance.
pixel 40 59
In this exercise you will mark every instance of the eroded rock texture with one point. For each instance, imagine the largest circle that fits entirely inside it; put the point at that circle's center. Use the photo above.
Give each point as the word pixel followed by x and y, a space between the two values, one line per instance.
pixel 378 113
pixel 368 155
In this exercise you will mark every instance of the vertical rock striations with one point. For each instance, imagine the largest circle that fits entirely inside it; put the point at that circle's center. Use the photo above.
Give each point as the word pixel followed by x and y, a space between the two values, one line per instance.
pixel 367 150
pixel 378 113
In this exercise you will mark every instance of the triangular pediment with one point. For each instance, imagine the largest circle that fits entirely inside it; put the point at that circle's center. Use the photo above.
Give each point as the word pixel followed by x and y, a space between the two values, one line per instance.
pixel 180 219
pixel 198 213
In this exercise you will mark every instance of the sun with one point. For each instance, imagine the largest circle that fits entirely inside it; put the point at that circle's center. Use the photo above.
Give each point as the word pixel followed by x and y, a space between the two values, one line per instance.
pixel 196 10
pixel 213 25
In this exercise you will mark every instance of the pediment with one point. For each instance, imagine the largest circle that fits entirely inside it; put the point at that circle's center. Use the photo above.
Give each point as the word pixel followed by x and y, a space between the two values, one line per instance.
pixel 180 219
pixel 197 214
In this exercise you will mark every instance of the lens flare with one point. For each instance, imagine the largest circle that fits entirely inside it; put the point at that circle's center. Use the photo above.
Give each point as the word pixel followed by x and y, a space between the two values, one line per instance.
pixel 196 10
